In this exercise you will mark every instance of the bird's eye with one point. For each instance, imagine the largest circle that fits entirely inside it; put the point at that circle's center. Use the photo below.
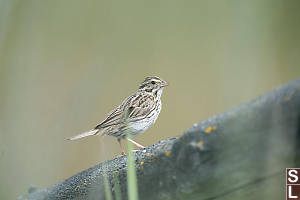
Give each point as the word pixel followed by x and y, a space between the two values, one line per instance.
pixel 152 82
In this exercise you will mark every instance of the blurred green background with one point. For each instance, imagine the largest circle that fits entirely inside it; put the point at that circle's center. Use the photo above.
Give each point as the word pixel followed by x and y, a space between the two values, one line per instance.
pixel 65 64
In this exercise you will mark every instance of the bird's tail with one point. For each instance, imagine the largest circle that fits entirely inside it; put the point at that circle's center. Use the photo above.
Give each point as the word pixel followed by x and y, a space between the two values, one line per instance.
pixel 85 134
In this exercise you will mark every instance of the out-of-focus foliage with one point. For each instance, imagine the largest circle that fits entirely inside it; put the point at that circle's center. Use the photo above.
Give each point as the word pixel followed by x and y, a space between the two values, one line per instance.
pixel 65 64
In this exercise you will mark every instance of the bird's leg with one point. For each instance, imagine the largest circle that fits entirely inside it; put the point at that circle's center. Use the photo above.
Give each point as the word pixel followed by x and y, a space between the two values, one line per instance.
pixel 123 152
pixel 136 144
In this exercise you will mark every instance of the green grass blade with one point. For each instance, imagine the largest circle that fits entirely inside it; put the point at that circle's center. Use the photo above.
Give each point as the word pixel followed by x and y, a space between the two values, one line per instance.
pixel 117 187
pixel 108 195
pixel 131 174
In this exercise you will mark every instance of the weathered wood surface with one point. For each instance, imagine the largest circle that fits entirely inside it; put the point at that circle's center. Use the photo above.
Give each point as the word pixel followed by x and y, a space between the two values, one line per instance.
pixel 238 154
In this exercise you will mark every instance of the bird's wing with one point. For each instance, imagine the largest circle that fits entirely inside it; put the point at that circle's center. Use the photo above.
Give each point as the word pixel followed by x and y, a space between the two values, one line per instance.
pixel 142 108
pixel 136 107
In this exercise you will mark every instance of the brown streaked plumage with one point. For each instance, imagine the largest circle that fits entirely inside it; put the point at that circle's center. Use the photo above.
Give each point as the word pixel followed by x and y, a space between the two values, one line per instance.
pixel 142 109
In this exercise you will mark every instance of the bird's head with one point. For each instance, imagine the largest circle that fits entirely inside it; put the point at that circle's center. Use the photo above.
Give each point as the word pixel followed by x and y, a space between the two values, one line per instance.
pixel 152 84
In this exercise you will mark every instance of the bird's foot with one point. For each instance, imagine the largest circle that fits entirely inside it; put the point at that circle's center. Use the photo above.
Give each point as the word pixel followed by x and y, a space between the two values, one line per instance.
pixel 136 144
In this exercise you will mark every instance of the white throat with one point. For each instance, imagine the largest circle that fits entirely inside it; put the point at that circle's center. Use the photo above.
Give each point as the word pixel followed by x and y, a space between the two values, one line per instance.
pixel 159 92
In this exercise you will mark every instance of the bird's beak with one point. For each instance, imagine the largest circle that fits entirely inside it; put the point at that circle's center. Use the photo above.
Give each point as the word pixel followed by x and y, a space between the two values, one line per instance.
pixel 164 84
